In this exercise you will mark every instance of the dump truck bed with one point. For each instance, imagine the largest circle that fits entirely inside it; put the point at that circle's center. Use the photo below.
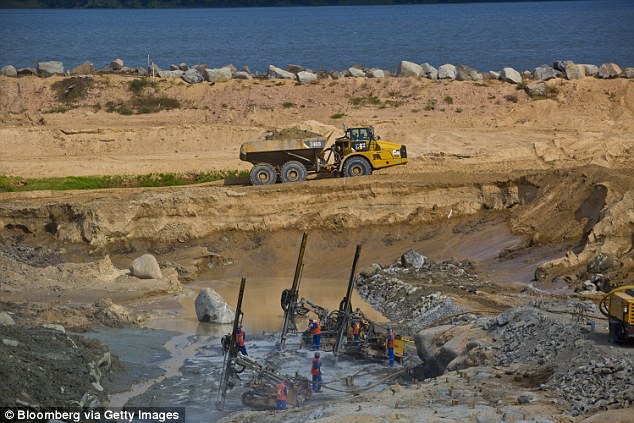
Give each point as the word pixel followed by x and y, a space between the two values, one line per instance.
pixel 279 151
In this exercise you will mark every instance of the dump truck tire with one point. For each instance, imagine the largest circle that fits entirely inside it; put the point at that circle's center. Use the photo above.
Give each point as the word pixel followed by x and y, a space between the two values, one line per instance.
pixel 293 172
pixel 356 166
pixel 263 174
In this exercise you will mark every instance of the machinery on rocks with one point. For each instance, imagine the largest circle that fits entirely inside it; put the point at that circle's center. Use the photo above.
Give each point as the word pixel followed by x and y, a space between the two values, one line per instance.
pixel 618 307
pixel 291 155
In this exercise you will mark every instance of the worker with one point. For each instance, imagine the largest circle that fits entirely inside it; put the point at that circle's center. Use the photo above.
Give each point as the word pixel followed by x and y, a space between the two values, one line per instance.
pixel 240 341
pixel 282 392
pixel 390 347
pixel 356 327
pixel 315 370
pixel 316 328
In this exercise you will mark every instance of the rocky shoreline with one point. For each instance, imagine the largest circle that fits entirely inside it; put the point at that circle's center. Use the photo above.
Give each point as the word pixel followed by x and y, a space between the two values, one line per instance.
pixel 199 73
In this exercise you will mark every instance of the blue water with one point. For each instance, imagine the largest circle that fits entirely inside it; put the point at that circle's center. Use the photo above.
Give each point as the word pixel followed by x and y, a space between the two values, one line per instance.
pixel 486 36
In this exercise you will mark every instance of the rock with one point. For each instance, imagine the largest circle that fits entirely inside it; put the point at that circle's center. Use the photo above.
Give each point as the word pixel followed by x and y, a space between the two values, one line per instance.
pixel 409 69
pixel 247 70
pixel 217 75
pixel 8 71
pixel 6 320
pixel 629 73
pixel 50 68
pixel 356 72
pixel 609 70
pixel 192 76
pixel 10 342
pixel 174 67
pixel 447 71
pixel 466 73
pixel 183 66
pixel 574 71
pixel 526 398
pixel 276 72
pixel 545 72
pixel 170 74
pixel 602 282
pixel 306 77
pixel 243 75
pixel 27 71
pixel 85 68
pixel 58 328
pixel 589 286
pixel 511 75
pixel 413 260
pixel 145 267
pixel 560 65
pixel 116 64
pixel 375 73
pixel 429 71
pixel 602 262
pixel 295 68
pixel 502 319
pixel 232 68
pixel 591 70
pixel 535 89
pixel 210 307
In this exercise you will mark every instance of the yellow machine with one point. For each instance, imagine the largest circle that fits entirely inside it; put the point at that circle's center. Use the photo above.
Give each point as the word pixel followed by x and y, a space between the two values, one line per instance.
pixel 618 307
pixel 292 157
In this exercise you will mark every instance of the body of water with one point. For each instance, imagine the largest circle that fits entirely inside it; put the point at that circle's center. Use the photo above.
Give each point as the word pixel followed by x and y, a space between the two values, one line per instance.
pixel 486 36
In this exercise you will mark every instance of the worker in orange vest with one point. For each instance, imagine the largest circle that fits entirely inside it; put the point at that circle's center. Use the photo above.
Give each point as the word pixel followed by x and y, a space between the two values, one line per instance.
pixel 390 347
pixel 316 328
pixel 356 327
pixel 282 392
pixel 240 341
pixel 315 370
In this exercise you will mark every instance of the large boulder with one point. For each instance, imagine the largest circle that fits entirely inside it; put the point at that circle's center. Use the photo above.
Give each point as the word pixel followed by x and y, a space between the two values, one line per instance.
pixel 429 71
pixel 575 71
pixel 602 263
pixel 356 72
pixel 170 74
pixel 50 67
pixel 9 71
pixel 192 76
pixel 243 75
pixel 6 320
pixel 375 73
pixel 629 73
pixel 609 70
pixel 183 66
pixel 560 65
pixel 413 260
pixel 591 70
pixel 217 75
pixel 153 69
pixel 536 89
pixel 27 72
pixel 306 77
pixel 447 71
pixel 85 68
pixel 275 72
pixel 466 73
pixel 295 68
pixel 511 75
pixel 545 72
pixel 210 307
pixel 116 64
pixel 409 69
pixel 146 267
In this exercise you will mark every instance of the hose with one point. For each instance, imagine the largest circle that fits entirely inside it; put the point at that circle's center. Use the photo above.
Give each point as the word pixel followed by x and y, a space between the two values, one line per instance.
pixel 352 391
pixel 603 305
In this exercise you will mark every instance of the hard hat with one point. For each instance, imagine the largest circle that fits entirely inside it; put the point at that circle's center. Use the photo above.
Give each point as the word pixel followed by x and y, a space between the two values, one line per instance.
pixel 317 354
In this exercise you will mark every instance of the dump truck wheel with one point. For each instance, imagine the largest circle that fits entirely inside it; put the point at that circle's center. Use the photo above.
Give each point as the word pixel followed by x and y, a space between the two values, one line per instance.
pixel 263 174
pixel 356 166
pixel 293 172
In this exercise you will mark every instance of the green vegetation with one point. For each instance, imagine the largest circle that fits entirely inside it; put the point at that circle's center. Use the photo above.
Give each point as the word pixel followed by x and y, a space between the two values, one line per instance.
pixel 70 90
pixel 512 98
pixel 458 110
pixel 58 109
pixel 14 183
pixel 372 100
pixel 141 102
pixel 431 105
pixel 288 105
pixel 449 100
pixel 337 116
pixel 138 85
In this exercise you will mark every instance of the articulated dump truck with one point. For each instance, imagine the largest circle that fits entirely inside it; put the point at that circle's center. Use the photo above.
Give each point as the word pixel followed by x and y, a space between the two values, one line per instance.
pixel 291 155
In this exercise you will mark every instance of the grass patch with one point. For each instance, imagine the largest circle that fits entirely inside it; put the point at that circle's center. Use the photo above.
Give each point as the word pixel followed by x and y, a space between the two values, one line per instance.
pixel 512 98
pixel 136 86
pixel 71 90
pixel 449 100
pixel 16 184
pixel 337 116
pixel 287 105
pixel 458 110
pixel 58 109
pixel 431 105
pixel 155 104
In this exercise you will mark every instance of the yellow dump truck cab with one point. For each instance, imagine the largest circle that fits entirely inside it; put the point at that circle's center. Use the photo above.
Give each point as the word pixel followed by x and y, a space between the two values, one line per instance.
pixel 358 152
pixel 621 315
